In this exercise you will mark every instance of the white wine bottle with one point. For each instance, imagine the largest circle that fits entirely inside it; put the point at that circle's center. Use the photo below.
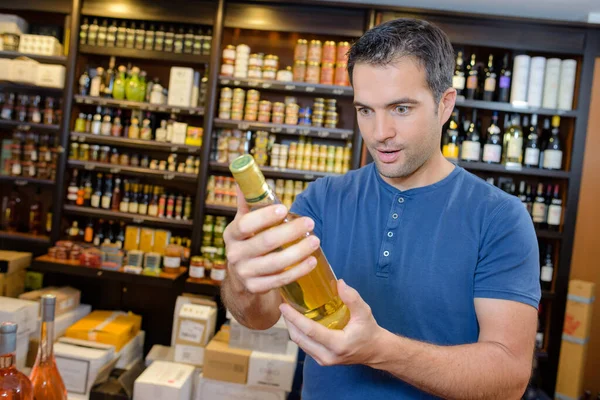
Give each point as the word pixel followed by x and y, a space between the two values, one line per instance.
pixel 315 295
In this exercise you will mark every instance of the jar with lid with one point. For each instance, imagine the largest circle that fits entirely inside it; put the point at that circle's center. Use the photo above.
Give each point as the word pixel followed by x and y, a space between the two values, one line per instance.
pixel 341 75
pixel 94 153
pixel 301 50
pixel 327 72
pixel 277 118
pixel 255 72
pixel 271 61
pixel 80 123
pixel 314 51
pixel 229 54
pixel 285 75
pixel 227 68
pixel 329 51
pixel 269 73
pixel 34 113
pixel 156 95
pixel 114 156
pixel 124 159
pixel 313 72
pixel 21 108
pixel 73 151
pixel 172 256
pixel 49 118
pixel 105 154
pixel 342 52
pixel 299 71
pixel 219 270
pixel 84 152
pixel 256 60
pixel 197 267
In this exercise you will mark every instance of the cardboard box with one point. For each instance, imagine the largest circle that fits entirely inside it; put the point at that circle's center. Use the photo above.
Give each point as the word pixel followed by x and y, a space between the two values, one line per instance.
pixel 40 44
pixel 208 389
pixel 50 75
pixel 132 238
pixel 10 23
pixel 194 136
pixel 272 340
pixel 79 365
pixel 576 331
pixel 13 284
pixel 187 298
pixel 160 353
pixel 132 351
pixel 181 82
pixel 108 327
pixel 224 363
pixel 179 132
pixel 196 326
pixel 24 313
pixel 11 261
pixel 116 385
pixel 273 370
pixel 164 381
pixel 161 239
pixel 67 298
pixel 147 240
pixel 24 71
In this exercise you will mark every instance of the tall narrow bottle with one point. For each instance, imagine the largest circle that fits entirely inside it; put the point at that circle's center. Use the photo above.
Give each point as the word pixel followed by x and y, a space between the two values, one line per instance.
pixel 314 295
pixel 513 143
pixel 472 79
pixel 14 385
pixel 46 380
pixel 451 146
pixel 459 80
pixel 489 87
pixel 553 150
pixel 492 150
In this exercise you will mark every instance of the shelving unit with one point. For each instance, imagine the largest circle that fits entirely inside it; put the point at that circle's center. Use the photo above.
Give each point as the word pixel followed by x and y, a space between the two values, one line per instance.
pixel 22 181
pixel 220 210
pixel 61 60
pixel 287 87
pixel 128 217
pixel 282 129
pixel 157 56
pixel 27 126
pixel 507 107
pixel 29 89
pixel 133 171
pixel 522 171
pixel 135 143
pixel 137 105
pixel 26 237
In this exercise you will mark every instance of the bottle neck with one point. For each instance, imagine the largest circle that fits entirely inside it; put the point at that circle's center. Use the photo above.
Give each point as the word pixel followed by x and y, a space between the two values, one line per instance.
pixel 7 360
pixel 266 199
pixel 46 348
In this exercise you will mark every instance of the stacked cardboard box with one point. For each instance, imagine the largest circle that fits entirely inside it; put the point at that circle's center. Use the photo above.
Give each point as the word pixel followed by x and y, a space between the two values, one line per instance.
pixel 13 265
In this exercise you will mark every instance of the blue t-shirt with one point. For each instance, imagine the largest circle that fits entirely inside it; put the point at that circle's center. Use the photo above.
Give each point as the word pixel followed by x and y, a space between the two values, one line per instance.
pixel 418 257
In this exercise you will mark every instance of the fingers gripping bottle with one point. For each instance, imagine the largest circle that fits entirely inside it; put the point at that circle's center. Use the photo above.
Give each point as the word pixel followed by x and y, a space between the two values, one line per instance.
pixel 315 295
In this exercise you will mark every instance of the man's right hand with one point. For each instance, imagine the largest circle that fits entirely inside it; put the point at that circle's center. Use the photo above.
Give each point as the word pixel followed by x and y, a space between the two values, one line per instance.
pixel 251 238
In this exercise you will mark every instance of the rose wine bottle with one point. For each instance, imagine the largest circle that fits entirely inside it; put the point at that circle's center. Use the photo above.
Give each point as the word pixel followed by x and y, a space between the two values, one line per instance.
pixel 14 385
pixel 46 380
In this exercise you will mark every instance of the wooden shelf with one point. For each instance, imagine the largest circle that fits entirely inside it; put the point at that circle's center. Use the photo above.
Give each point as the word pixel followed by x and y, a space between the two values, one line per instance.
pixel 135 143
pixel 67 267
pixel 274 172
pixel 509 108
pixel 149 55
pixel 226 211
pixel 203 286
pixel 25 237
pixel 22 181
pixel 502 169
pixel 282 129
pixel 137 105
pixel 33 89
pixel 135 171
pixel 27 126
pixel 289 87
pixel 127 217
pixel 62 60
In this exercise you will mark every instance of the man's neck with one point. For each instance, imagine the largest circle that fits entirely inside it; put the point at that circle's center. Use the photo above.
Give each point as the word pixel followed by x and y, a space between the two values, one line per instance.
pixel 434 170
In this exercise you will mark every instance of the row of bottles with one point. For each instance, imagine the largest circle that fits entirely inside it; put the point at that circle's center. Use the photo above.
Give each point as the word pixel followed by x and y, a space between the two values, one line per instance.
pixel 23 213
pixel 522 144
pixel 476 81
pixel 32 109
pixel 128 196
pixel 146 36
pixel 29 155
pixel 45 381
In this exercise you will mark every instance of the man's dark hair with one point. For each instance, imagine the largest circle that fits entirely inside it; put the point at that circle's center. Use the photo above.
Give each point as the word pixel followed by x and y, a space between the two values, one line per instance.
pixel 407 37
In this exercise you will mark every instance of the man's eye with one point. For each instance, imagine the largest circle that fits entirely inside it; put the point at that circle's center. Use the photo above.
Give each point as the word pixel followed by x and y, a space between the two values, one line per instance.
pixel 364 112
pixel 401 109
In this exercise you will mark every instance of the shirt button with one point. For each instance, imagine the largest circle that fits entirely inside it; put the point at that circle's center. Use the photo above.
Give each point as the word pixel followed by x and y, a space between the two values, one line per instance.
pixel 395 216
pixel 386 253
pixel 401 200
pixel 390 234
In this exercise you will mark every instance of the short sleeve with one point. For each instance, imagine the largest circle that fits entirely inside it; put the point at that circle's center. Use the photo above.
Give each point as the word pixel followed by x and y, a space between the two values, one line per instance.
pixel 508 266
pixel 310 202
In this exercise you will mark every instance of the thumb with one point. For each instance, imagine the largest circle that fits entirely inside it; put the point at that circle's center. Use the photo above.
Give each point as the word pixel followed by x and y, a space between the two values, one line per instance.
pixel 242 206
pixel 356 305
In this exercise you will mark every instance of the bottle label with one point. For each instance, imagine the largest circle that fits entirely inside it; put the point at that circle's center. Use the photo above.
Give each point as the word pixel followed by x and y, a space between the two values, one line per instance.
pixel 458 82
pixel 532 156
pixel 546 274
pixel 539 212
pixel 472 82
pixel 133 207
pixel 554 214
pixel 470 150
pixel 504 82
pixel 553 159
pixel 105 128
pixel 95 201
pixel 72 193
pixel 153 210
pixel 450 150
pixel 16 169
pixel 217 274
pixel 515 148
pixel 106 202
pixel 96 126
pixel 196 272
pixel 490 84
pixel 143 209
pixel 124 206
pixel 492 153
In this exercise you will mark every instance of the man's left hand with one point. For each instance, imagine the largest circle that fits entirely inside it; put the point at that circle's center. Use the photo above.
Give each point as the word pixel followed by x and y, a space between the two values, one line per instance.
pixel 355 344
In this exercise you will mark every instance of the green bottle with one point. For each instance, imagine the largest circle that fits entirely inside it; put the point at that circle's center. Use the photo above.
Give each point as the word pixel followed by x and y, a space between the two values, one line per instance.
pixel 119 86
pixel 132 90
pixel 142 87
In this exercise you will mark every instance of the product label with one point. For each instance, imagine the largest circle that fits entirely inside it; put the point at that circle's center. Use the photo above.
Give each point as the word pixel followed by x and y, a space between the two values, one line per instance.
pixel 515 148
pixel 554 214
pixel 552 159
pixel 492 153
pixel 133 208
pixel 472 82
pixel 95 87
pixel 532 156
pixel 546 274
pixel 196 272
pixel 539 212
pixel 191 331
pixel 490 84
pixel 189 354
pixel 72 194
pixel 450 150
pixel 106 200
pixel 172 262
pixel 217 274
pixel 124 206
pixel 74 373
pixel 470 150
pixel 96 127
pixel 504 82
pixel 95 201
pixel 458 82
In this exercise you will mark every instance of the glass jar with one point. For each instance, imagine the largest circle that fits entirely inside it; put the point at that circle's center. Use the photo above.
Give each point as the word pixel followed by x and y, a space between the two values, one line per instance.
pixel 329 51
pixel 172 256
pixel 84 152
pixel 219 270
pixel 313 72
pixel 327 72
pixel 94 153
pixel 80 123
pixel 301 50
pixel 197 267
pixel 299 71
pixel 74 151
pixel 314 51
pixel 105 154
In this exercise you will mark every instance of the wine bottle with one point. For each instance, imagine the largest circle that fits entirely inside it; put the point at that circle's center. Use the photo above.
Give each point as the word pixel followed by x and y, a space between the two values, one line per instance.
pixel 133 201
pixel 73 188
pixel 102 31
pixel 99 233
pixel 159 39
pixel 130 36
pixel 547 272
pixel 450 147
pixel 471 146
pixel 492 150
pixel 45 378
pixel 544 140
pixel 522 196
pixel 532 150
pixel 554 209
pixel 489 86
pixel 459 80
pixel 109 79
pixel 111 35
pixel 314 295
pixel 124 204
pixel 14 385
pixel 97 194
pixel 513 143
pixel 553 151
pixel 92 35
pixel 88 233
pixel 472 78
pixel 539 210
pixel 83 31
pixel 106 200
pixel 121 35
pixel 529 199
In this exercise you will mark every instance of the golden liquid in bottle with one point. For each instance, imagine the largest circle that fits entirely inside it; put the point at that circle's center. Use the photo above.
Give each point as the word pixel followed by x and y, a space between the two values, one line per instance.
pixel 315 294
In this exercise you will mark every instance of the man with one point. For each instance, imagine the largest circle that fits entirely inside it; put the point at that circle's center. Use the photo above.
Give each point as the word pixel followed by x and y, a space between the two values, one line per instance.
pixel 439 269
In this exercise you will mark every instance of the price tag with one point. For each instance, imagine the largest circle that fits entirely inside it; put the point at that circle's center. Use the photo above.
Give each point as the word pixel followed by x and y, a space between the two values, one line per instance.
pixel 20 182
pixel 225 81
pixel 138 220
pixel 174 149
pixel 90 167
pixel 338 91
pixel 513 167
pixel 24 127
pixel 168 177
pixel 243 125
pixel 253 83
pixel 323 134
pixel 345 135
pixel 310 89
pixel 115 170
pixel 236 83
pixel 309 176
pixel 291 130
pixel 276 129
pixel 304 132
pixel 290 87
pixel 266 85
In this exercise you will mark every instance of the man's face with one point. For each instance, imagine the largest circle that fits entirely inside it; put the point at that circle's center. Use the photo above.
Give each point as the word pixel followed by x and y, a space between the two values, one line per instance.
pixel 398 117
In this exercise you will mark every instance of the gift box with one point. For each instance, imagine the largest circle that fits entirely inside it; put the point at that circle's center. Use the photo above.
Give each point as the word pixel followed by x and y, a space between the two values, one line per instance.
pixel 109 327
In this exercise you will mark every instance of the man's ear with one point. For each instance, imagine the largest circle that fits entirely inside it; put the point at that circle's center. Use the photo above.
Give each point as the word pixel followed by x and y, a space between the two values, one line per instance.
pixel 446 105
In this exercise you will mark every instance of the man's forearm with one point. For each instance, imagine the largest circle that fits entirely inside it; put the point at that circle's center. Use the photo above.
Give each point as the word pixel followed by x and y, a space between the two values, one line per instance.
pixel 251 310
pixel 483 370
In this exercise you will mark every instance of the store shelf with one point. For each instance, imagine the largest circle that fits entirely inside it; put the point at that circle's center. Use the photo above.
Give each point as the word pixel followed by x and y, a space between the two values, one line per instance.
pixel 25 237
pixel 22 181
pixel 134 171
pixel 27 126
pixel 67 267
pixel 203 286
pixel 127 217
pixel 502 169
pixel 294 130
pixel 226 211
pixel 135 143
pixel 137 105
pixel 509 108
pixel 33 89
pixel 281 173
pixel 149 55
pixel 62 60
pixel 290 87
pixel 546 234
